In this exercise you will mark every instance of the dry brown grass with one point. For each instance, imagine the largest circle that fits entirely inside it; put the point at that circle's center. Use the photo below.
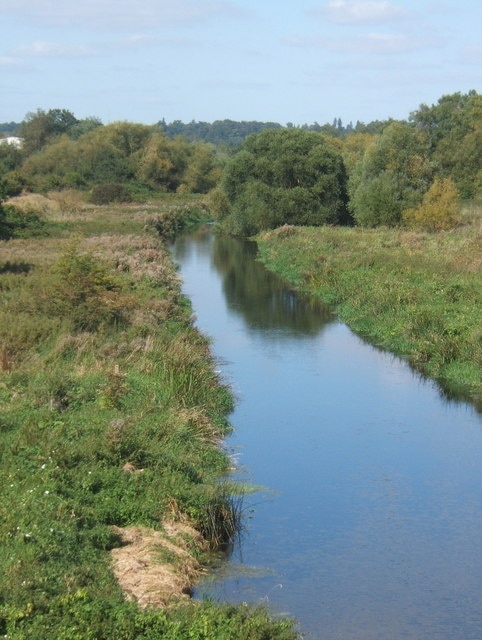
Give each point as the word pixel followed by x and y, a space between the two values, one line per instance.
pixel 34 251
pixel 42 205
pixel 156 568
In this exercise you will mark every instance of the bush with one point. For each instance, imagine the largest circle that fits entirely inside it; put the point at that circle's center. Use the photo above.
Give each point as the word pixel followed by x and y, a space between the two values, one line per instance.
pixel 15 223
pixel 438 209
pixel 12 184
pixel 87 294
pixel 110 192
pixel 380 201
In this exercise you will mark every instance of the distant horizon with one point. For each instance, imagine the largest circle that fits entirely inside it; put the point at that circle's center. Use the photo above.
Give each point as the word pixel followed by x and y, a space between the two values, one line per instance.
pixel 243 120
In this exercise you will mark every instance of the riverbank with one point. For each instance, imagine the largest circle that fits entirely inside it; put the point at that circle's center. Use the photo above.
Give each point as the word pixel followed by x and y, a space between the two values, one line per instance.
pixel 418 295
pixel 110 442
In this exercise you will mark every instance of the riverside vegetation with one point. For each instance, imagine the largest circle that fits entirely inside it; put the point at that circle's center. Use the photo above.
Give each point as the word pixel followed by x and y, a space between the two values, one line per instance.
pixel 110 435
pixel 416 294
pixel 112 413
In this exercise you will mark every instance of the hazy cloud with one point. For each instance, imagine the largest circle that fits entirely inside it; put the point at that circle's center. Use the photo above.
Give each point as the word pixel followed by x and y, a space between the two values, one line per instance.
pixel 117 13
pixel 40 49
pixel 360 12
pixel 9 62
pixel 369 43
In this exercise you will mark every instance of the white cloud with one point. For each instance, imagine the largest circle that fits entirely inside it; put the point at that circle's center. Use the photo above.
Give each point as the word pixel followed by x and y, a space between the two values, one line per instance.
pixel 117 13
pixel 361 11
pixel 41 49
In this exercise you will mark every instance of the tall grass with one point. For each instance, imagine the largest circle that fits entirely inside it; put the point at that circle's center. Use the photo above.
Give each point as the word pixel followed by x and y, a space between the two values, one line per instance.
pixel 111 416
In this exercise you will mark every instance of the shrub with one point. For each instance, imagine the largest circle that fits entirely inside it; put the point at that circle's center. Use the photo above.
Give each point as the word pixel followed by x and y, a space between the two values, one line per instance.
pixel 438 209
pixel 110 192
pixel 86 293
pixel 15 223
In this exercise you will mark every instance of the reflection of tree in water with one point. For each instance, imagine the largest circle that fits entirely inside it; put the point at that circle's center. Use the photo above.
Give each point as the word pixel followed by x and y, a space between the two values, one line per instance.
pixel 262 298
pixel 196 242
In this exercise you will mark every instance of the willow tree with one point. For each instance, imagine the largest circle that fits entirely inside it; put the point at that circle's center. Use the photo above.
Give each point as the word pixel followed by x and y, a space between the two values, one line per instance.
pixel 284 176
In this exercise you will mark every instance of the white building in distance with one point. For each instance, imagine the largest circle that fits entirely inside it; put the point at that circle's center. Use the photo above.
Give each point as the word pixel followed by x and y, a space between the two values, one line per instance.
pixel 13 141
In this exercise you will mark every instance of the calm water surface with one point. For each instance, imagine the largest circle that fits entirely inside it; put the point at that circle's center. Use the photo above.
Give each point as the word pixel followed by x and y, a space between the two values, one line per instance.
pixel 369 526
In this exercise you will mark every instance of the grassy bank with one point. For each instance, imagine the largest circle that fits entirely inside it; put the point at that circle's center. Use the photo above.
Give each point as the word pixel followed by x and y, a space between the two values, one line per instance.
pixel 111 421
pixel 418 295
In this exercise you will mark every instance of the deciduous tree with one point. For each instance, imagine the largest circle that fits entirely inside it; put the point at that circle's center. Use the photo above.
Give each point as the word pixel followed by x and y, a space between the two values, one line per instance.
pixel 283 176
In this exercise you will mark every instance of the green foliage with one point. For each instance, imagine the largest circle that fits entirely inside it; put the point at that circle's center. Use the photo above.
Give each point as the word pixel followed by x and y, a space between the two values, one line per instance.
pixel 12 184
pixel 219 132
pixel 86 292
pixel 282 176
pixel 454 128
pixel 86 153
pixel 40 127
pixel 392 176
pixel 5 231
pixel 173 219
pixel 110 192
pixel 22 223
pixel 438 209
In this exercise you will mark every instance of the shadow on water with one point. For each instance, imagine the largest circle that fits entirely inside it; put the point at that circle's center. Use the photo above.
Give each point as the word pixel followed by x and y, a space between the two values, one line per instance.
pixel 371 525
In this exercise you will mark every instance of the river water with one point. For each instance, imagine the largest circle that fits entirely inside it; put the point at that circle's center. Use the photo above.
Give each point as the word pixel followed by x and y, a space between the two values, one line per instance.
pixel 368 525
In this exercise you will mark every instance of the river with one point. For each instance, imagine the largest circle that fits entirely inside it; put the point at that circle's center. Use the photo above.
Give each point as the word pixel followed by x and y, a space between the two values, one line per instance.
pixel 368 524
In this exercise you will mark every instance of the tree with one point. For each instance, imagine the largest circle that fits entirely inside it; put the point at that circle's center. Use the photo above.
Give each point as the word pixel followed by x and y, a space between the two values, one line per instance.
pixel 438 209
pixel 202 171
pixel 392 176
pixel 40 127
pixel 283 176
pixel 49 167
pixel 454 130
pixel 162 162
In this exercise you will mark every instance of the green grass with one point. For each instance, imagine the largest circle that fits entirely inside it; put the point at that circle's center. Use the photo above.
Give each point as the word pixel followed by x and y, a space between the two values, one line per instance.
pixel 101 367
pixel 418 295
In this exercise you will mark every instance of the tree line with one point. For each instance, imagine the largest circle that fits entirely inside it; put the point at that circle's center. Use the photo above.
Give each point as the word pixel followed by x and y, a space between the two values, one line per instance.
pixel 61 152
pixel 399 172
pixel 410 173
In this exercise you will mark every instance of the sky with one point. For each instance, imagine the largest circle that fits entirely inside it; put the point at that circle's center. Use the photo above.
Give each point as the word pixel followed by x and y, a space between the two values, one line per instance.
pixel 300 61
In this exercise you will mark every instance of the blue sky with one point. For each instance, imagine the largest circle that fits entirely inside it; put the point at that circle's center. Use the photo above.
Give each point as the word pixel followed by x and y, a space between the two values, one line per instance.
pixel 304 61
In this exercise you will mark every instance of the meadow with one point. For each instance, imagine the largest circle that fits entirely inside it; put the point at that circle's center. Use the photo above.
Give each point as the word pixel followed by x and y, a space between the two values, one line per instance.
pixel 115 482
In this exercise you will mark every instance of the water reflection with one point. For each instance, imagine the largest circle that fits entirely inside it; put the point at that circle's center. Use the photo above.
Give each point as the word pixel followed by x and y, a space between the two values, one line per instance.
pixel 262 299
pixel 372 527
